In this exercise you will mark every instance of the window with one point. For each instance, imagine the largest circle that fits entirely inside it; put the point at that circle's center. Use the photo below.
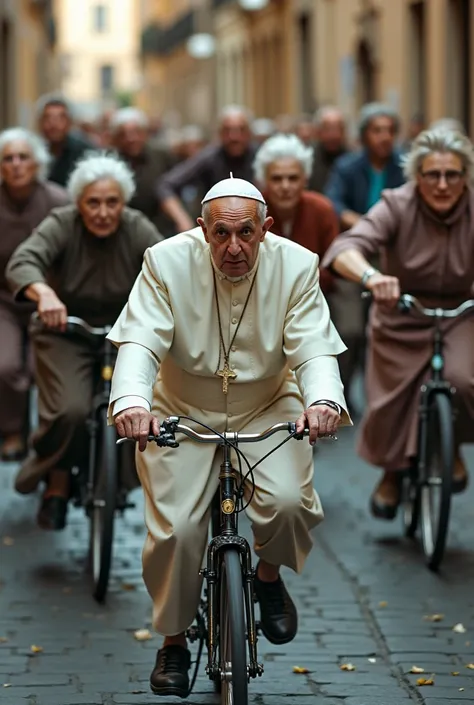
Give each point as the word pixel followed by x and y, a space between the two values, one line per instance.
pixel 100 18
pixel 106 79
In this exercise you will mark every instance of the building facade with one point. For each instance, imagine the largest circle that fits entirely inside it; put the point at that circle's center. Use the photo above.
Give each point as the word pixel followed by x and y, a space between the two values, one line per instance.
pixel 27 58
pixel 98 52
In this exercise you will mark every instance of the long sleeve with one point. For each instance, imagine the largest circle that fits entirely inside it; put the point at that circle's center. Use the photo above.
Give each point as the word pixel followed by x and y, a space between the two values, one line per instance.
pixel 33 259
pixel 308 330
pixel 373 232
pixel 319 378
pixel 135 372
pixel 336 188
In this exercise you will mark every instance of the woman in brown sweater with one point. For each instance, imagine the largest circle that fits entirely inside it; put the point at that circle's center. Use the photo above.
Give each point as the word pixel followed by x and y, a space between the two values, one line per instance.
pixel 424 232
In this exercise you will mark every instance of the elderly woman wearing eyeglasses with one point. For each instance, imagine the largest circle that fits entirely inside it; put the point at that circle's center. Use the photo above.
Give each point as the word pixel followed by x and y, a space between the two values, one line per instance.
pixel 424 232
pixel 25 200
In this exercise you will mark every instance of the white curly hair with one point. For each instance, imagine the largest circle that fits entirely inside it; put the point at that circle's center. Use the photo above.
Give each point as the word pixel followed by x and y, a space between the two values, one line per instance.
pixel 282 146
pixel 35 144
pixel 439 140
pixel 95 167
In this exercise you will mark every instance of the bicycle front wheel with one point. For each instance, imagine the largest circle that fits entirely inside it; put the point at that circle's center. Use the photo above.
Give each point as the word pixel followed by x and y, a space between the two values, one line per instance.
pixel 232 639
pixel 103 510
pixel 435 500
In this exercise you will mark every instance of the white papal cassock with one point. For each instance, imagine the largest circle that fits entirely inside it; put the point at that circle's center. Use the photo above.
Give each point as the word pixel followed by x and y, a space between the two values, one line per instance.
pixel 284 359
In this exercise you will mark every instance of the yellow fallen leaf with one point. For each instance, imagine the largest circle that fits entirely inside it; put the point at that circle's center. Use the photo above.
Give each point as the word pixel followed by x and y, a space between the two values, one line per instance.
pixel 455 673
pixel 470 665
pixel 372 660
pixel 433 617
pixel 3 639
pixel 7 685
pixel 425 681
pixel 416 669
pixel 300 669
pixel 459 628
pixel 383 604
pixel 128 587
pixel 461 690
pixel 347 667
pixel 143 635
pixel 36 649
pixel 8 541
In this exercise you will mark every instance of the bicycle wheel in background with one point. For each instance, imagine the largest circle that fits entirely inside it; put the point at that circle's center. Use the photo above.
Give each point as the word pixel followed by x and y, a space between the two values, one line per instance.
pixel 232 635
pixel 435 498
pixel 410 502
pixel 102 516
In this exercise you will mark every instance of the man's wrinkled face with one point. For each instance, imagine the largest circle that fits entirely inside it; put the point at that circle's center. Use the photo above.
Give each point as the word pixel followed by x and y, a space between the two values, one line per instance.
pixel 55 123
pixel 235 135
pixel 285 182
pixel 130 139
pixel 379 137
pixel 332 133
pixel 234 232
pixel 18 166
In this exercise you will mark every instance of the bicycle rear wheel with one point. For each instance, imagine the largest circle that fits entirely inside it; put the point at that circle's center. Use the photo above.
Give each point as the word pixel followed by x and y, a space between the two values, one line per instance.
pixel 232 638
pixel 435 499
pixel 102 515
pixel 410 503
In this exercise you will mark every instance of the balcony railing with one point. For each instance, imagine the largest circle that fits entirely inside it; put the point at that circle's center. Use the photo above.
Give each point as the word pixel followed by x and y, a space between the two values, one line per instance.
pixel 161 41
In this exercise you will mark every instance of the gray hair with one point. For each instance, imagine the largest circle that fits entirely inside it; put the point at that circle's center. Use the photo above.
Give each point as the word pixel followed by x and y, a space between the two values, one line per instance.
pixel 192 133
pixel 53 99
pixel 375 110
pixel 235 111
pixel 125 115
pixel 282 146
pixel 95 167
pixel 261 211
pixel 448 123
pixel 263 127
pixel 432 141
pixel 323 112
pixel 36 144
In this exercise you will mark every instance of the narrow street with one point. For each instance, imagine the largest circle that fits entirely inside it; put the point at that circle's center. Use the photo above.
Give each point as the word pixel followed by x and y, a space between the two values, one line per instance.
pixel 363 600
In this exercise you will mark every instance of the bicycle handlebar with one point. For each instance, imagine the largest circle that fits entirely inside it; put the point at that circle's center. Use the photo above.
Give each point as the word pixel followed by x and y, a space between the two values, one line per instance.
pixel 406 302
pixel 72 323
pixel 172 425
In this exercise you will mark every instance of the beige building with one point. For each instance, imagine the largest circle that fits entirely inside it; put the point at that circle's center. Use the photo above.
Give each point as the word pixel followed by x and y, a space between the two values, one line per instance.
pixel 27 58
pixel 98 49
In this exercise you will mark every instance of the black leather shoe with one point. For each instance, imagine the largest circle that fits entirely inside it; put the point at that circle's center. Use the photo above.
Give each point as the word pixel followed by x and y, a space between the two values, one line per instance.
pixel 278 615
pixel 380 510
pixel 170 675
pixel 52 513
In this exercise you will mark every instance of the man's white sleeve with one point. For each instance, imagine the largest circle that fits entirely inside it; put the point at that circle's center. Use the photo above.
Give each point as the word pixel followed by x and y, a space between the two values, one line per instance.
pixel 319 378
pixel 135 372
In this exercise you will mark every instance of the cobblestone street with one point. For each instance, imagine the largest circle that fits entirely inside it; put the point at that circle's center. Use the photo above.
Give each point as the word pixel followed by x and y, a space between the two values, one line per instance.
pixel 362 600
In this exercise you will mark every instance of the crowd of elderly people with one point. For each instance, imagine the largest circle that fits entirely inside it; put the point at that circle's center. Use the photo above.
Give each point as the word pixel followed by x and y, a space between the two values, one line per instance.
pixel 79 208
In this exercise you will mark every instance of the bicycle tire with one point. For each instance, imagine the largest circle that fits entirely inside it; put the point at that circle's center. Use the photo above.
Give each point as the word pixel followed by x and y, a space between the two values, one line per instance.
pixel 439 474
pixel 102 516
pixel 410 504
pixel 232 633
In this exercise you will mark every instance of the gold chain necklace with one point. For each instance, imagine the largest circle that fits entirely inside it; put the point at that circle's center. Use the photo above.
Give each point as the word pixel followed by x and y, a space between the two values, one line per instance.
pixel 226 373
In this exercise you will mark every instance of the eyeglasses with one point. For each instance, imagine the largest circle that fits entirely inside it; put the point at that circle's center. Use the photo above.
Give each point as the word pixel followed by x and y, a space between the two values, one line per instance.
pixel 452 176
pixel 10 158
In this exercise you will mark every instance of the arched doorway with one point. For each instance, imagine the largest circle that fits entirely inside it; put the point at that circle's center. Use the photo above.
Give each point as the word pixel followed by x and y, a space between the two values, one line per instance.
pixel 6 73
pixel 365 74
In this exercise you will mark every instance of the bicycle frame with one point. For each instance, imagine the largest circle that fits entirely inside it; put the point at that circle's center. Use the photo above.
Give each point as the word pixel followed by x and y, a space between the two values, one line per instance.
pixel 229 536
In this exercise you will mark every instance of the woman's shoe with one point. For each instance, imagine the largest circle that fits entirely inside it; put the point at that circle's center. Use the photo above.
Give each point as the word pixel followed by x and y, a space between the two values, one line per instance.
pixel 52 513
pixel 13 449
pixel 386 497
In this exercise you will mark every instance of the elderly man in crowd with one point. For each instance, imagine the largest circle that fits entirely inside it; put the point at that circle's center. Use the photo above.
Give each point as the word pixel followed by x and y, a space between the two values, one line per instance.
pixel 233 154
pixel 129 129
pixel 330 131
pixel 282 166
pixel 55 122
pixel 80 261
pixel 232 320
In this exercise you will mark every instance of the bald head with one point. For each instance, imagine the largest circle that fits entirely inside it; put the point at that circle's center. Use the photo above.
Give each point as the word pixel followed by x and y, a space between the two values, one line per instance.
pixel 331 128
pixel 235 130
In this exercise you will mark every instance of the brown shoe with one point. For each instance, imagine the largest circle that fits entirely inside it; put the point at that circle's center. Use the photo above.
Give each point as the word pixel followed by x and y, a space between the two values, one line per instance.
pixel 460 475
pixel 387 496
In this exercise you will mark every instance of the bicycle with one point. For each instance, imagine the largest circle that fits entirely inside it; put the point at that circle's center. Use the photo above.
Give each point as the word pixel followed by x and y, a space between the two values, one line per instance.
pixel 97 487
pixel 226 620
pixel 427 487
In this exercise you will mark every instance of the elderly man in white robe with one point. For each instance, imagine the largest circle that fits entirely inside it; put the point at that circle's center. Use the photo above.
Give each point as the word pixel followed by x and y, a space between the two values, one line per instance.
pixel 225 323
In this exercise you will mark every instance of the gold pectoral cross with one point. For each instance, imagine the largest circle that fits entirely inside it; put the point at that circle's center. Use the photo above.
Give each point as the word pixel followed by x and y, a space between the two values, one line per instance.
pixel 226 374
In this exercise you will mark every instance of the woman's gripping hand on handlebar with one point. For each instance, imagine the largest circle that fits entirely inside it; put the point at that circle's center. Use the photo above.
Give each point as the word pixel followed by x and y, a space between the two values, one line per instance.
pixel 51 310
pixel 137 423
pixel 385 290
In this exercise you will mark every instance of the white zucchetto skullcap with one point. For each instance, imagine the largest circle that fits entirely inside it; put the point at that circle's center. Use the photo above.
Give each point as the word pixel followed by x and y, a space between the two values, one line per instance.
pixel 233 187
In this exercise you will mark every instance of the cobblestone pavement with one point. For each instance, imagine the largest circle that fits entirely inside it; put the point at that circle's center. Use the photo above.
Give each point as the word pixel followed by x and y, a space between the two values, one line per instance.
pixel 362 600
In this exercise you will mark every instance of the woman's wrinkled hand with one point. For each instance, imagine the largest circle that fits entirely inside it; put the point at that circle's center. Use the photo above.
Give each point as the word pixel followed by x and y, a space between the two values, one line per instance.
pixel 385 290
pixel 137 423
pixel 52 311
pixel 321 420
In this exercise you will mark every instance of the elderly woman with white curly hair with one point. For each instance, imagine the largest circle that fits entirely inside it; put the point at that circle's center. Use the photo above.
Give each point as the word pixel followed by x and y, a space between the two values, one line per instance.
pixel 82 260
pixel 424 232
pixel 282 167
pixel 25 200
